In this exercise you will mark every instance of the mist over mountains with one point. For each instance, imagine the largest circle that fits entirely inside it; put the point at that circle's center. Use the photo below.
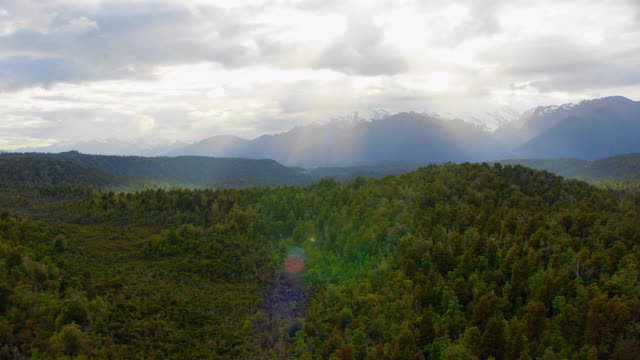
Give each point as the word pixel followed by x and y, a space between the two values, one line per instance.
pixel 111 146
pixel 590 129
pixel 404 136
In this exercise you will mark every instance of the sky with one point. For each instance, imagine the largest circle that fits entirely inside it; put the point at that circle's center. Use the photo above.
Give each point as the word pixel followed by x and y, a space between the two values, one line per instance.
pixel 152 71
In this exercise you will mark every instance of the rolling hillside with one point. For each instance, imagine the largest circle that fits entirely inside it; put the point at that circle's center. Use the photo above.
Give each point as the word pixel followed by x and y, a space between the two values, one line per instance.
pixel 32 169
pixel 616 171
pixel 137 172
pixel 469 261
pixel 134 172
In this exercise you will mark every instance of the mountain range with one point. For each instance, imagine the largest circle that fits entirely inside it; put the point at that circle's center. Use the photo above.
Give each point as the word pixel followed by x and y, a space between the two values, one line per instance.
pixel 401 137
pixel 590 129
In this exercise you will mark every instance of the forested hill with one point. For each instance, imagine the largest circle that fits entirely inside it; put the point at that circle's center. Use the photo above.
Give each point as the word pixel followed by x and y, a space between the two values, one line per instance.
pixel 622 169
pixel 196 168
pixel 467 261
pixel 134 171
pixel 30 169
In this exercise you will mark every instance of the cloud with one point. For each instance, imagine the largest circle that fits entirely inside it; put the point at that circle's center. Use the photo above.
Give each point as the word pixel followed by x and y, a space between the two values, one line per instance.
pixel 116 41
pixel 601 76
pixel 362 50
pixel 79 70
pixel 318 5
pixel 481 20
pixel 562 64
pixel 540 56
pixel 82 123
pixel 18 72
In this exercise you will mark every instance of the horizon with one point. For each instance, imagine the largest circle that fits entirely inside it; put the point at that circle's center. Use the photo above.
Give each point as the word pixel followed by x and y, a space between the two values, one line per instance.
pixel 151 148
pixel 320 179
pixel 185 71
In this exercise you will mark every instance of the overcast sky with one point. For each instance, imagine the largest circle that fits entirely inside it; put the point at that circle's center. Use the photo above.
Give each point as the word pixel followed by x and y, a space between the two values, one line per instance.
pixel 184 70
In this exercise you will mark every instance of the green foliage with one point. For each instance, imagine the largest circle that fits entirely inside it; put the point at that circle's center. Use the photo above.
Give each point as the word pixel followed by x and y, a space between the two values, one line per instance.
pixel 466 261
pixel 130 173
pixel 29 169
pixel 621 172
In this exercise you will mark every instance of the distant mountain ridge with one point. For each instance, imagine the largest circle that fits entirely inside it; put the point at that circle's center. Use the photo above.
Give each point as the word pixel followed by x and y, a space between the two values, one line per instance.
pixel 543 120
pixel 408 137
pixel 589 129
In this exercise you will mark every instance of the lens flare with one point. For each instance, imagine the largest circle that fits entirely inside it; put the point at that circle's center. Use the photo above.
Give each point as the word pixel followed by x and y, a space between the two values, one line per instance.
pixel 294 263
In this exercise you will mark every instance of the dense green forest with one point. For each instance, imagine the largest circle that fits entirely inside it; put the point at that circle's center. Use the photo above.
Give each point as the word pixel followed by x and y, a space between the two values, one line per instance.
pixel 469 261
pixel 134 173
pixel 131 173
pixel 27 169
pixel 350 173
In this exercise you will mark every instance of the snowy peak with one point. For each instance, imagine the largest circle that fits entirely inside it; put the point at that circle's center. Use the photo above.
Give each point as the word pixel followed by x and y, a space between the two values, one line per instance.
pixel 493 120
pixel 545 110
pixel 406 136
pixel 538 120
pixel 609 100
pixel 591 129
